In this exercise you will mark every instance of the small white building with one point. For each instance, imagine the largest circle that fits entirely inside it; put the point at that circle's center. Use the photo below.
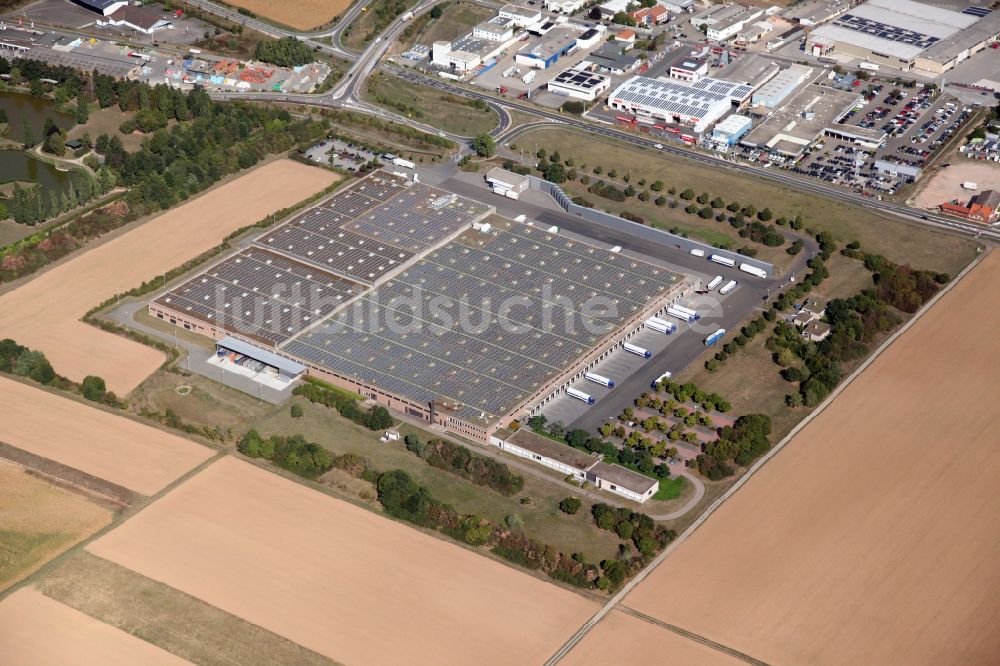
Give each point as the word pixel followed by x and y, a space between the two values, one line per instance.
pixel 580 83
pixel 564 6
pixel 623 481
pixel 443 55
pixel 497 29
pixel 142 19
pixel 502 181
pixel 521 16
pixel 544 451
pixel 731 130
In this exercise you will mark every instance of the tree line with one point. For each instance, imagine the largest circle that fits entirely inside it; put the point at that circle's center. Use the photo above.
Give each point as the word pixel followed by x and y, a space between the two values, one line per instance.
pixel 293 453
pixel 32 364
pixel 462 462
pixel 376 417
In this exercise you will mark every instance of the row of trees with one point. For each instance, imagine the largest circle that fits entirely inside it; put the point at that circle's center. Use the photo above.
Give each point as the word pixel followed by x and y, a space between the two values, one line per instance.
pixel 29 205
pixel 32 364
pixel 293 453
pixel 462 462
pixel 376 417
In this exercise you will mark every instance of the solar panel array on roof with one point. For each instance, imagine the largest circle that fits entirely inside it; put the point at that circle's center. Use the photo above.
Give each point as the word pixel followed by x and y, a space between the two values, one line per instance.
pixel 523 294
pixel 261 295
pixel 367 231
pixel 978 12
pixel 885 31
pixel 579 78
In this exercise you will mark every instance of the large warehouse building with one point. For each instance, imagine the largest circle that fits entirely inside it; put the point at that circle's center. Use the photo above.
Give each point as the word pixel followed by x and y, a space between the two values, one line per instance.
pixel 424 302
pixel 906 35
pixel 697 105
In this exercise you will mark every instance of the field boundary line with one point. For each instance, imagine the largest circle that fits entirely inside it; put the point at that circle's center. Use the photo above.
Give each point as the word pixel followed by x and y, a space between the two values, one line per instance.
pixel 714 506
pixel 125 515
pixel 698 638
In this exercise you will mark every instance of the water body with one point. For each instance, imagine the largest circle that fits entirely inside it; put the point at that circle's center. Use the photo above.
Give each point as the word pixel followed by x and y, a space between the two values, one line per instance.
pixel 21 107
pixel 16 165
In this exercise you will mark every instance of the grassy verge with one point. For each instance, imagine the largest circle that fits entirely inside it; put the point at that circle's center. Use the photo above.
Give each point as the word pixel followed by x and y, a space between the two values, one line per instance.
pixel 439 109
pixel 168 618
pixel 369 24
pixel 899 241
pixel 670 489
pixel 458 19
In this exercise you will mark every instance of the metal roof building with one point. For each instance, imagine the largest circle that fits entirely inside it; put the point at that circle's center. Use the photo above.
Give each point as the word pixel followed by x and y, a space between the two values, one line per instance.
pixel 104 7
pixel 784 83
pixel 697 105
pixel 579 83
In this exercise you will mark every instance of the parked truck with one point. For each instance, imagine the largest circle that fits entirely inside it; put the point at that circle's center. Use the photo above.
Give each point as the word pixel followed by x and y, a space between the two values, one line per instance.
pixel 399 161
pixel 637 350
pixel 753 270
pixel 969 185
pixel 580 395
pixel 715 337
pixel 683 315
pixel 719 259
pixel 716 281
pixel 599 379
pixel 529 77
pixel 662 378
pixel 728 287
pixel 660 326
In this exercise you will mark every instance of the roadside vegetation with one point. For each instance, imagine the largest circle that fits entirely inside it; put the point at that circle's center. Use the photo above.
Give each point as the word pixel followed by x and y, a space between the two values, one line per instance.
pixel 370 23
pixel 458 115
pixel 898 241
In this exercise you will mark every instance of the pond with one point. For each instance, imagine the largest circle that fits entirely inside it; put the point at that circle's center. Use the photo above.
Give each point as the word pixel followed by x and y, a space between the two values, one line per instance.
pixel 16 165
pixel 21 107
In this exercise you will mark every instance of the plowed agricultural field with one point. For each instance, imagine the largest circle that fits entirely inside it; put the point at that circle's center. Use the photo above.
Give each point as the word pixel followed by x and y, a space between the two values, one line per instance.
pixel 337 579
pixel 38 631
pixel 623 639
pixel 91 440
pixel 301 14
pixel 874 536
pixel 45 313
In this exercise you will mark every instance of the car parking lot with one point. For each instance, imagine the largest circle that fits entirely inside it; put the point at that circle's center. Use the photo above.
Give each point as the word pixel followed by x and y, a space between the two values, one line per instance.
pixel 340 154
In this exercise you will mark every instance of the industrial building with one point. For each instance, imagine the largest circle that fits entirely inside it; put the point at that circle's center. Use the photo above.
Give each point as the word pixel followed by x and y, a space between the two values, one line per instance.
pixel 507 183
pixel 753 33
pixel 522 17
pixel 144 19
pixel 497 29
pixel 371 291
pixel 543 52
pixel 897 169
pixel 781 86
pixel 813 112
pixel 905 35
pixel 102 7
pixel 611 58
pixel 723 21
pixel 816 12
pixel 697 105
pixel 564 6
pixel 580 465
pixel 729 132
pixel 688 66
pixel 580 83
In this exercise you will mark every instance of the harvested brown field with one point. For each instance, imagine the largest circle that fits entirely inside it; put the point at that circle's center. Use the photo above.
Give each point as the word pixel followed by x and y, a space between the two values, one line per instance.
pixel 38 521
pixel 114 448
pixel 301 15
pixel 45 313
pixel 39 631
pixel 947 183
pixel 623 639
pixel 874 536
pixel 337 579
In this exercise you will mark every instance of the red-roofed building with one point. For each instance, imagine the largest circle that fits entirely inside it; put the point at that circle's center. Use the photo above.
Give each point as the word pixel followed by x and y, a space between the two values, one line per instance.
pixel 654 15
pixel 984 207
pixel 627 36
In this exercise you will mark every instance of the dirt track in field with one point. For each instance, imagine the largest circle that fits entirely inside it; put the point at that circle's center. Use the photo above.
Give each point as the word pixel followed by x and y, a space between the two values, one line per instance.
pixel 301 15
pixel 356 587
pixel 623 639
pixel 45 313
pixel 37 631
pixel 114 448
pixel 874 536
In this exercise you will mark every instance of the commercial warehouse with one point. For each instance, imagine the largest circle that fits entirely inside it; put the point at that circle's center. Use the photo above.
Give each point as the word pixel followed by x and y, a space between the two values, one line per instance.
pixel 543 52
pixel 697 105
pixel 810 114
pixel 422 301
pixel 778 89
pixel 731 130
pixel 905 35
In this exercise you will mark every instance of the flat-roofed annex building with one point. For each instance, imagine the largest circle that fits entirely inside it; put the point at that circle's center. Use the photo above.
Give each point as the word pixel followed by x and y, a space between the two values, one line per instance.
pixel 580 83
pixel 698 104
